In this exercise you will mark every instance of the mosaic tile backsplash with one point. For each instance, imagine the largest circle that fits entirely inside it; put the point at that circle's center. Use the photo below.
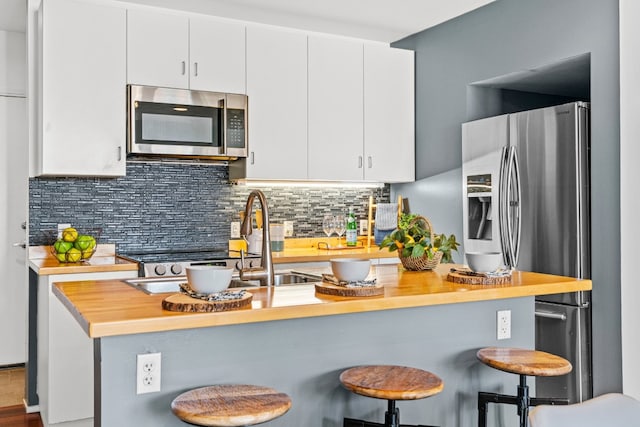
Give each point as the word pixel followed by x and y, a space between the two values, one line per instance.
pixel 163 206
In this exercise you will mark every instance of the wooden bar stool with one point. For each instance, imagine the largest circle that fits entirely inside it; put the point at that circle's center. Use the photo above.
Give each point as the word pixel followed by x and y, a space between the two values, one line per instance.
pixel 524 363
pixel 391 383
pixel 230 405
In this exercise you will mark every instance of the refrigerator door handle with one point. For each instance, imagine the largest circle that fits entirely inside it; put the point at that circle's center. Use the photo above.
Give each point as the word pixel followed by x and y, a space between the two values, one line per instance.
pixel 514 207
pixel 503 203
pixel 551 315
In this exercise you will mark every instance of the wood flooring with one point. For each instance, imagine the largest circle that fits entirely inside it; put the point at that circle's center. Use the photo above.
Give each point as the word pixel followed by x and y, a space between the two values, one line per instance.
pixel 14 416
pixel 12 413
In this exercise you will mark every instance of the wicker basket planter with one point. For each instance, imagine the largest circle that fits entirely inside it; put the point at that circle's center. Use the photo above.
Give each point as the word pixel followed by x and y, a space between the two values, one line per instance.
pixel 423 262
pixel 420 263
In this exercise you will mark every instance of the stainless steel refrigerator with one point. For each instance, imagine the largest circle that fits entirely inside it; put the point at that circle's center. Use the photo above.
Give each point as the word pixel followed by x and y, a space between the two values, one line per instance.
pixel 526 194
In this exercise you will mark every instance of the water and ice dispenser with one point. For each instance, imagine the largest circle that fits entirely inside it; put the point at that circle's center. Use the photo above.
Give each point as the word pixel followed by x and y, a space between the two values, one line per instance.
pixel 480 206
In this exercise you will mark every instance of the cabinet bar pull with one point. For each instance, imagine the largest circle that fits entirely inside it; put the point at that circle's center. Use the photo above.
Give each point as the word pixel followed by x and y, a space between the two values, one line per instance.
pixel 119 153
pixel 195 69
pixel 184 67
pixel 252 157
pixel 359 162
pixel 370 162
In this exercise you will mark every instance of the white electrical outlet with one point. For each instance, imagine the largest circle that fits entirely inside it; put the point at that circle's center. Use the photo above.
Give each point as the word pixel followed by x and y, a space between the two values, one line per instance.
pixel 235 230
pixel 148 372
pixel 504 324
pixel 363 227
pixel 288 229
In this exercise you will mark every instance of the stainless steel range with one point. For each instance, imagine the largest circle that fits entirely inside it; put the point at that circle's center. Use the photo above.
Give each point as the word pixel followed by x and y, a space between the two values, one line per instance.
pixel 173 263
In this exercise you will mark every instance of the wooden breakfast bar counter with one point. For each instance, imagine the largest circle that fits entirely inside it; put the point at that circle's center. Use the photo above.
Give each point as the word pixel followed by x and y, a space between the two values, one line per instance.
pixel 297 341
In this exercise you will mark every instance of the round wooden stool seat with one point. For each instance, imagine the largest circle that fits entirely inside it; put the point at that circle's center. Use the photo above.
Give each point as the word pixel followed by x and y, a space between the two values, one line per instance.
pixel 230 405
pixel 524 362
pixel 391 382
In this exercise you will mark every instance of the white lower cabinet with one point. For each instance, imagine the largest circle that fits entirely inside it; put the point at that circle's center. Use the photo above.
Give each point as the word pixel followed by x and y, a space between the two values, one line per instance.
pixel 65 356
pixel 82 59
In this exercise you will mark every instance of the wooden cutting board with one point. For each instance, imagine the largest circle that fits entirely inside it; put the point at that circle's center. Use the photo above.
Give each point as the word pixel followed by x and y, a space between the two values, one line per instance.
pixel 186 304
pixel 343 291
pixel 466 279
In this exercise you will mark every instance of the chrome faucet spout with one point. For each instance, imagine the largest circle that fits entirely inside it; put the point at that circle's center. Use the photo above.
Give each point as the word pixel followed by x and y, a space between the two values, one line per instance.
pixel 264 273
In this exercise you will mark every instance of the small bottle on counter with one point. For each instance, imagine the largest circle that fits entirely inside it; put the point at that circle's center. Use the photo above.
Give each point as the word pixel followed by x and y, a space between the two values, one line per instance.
pixel 352 229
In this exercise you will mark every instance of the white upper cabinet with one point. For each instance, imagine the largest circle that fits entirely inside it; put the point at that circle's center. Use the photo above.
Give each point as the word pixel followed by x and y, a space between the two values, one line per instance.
pixel 175 51
pixel 82 89
pixel 277 91
pixel 217 56
pixel 389 114
pixel 157 49
pixel 335 109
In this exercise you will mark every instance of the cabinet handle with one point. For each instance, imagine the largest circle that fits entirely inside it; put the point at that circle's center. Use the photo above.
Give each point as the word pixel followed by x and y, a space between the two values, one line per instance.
pixel 195 69
pixel 359 162
pixel 23 225
pixel 22 245
pixel 252 158
pixel 119 153
pixel 370 162
pixel 184 67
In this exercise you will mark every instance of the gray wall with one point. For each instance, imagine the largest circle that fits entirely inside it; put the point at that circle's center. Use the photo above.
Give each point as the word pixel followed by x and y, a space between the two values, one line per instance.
pixel 511 36
pixel 304 358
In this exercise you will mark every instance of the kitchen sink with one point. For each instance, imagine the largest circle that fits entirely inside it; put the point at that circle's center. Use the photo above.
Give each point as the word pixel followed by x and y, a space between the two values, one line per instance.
pixel 159 285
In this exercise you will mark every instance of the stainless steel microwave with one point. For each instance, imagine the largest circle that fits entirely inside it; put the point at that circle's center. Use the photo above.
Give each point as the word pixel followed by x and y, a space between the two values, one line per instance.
pixel 186 123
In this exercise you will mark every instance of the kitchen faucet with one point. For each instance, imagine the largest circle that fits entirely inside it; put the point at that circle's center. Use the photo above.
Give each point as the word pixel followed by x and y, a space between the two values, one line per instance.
pixel 265 272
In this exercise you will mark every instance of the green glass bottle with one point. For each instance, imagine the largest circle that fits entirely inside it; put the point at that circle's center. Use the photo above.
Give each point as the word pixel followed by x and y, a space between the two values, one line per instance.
pixel 352 229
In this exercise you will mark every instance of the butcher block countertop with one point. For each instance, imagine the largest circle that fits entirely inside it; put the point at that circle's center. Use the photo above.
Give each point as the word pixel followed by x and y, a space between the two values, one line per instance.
pixel 104 260
pixel 112 307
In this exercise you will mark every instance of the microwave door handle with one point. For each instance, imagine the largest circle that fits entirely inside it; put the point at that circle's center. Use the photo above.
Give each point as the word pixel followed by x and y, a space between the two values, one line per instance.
pixel 223 127
pixel 502 202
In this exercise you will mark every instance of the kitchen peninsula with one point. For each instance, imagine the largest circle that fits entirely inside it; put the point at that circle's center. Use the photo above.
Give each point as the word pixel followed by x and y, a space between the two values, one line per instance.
pixel 298 341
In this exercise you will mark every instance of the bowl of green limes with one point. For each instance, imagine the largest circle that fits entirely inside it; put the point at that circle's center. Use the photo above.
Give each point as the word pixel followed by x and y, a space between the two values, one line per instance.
pixel 74 245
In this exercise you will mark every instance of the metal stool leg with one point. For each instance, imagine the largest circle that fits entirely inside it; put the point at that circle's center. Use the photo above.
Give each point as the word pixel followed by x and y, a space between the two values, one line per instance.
pixel 392 416
pixel 483 404
pixel 523 401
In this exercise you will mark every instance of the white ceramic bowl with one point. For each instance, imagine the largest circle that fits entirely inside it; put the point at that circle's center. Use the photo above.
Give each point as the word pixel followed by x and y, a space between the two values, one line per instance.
pixel 350 269
pixel 208 279
pixel 484 262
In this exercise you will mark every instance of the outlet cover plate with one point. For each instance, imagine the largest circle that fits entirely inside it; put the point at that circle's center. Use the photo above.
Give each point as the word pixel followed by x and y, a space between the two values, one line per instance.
pixel 149 366
pixel 504 324
pixel 288 229
pixel 235 230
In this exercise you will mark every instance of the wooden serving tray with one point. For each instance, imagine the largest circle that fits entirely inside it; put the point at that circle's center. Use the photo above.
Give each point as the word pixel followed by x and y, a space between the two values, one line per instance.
pixel 326 247
pixel 186 304
pixel 343 291
pixel 466 279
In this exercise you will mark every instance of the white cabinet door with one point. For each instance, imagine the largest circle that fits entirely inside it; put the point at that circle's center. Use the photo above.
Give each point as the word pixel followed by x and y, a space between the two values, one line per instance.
pixel 335 109
pixel 389 124
pixel 157 49
pixel 65 354
pixel 83 89
pixel 217 56
pixel 277 90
